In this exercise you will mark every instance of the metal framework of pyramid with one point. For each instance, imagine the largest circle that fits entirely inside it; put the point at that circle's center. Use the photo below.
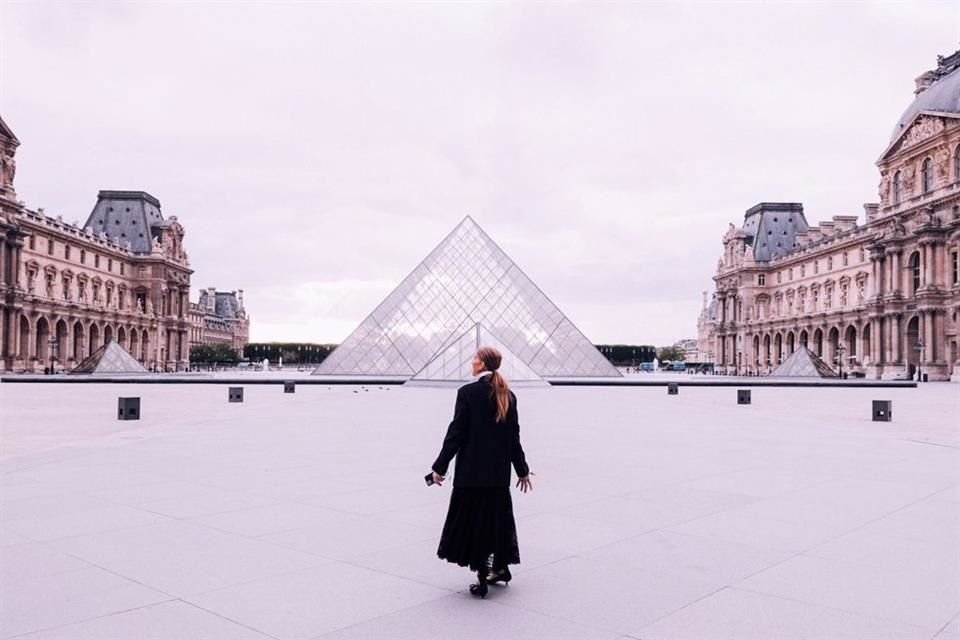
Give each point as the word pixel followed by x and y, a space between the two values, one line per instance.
pixel 111 358
pixel 803 363
pixel 466 293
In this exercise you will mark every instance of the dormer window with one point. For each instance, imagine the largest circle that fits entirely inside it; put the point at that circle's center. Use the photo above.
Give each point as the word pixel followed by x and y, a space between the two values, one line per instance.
pixel 897 187
pixel 926 173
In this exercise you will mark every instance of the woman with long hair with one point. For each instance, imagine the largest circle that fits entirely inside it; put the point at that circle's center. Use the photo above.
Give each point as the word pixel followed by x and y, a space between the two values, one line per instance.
pixel 480 531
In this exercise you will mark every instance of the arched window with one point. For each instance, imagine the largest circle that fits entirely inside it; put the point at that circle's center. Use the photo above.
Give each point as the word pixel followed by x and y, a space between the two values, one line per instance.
pixel 956 163
pixel 926 171
pixel 897 187
pixel 915 269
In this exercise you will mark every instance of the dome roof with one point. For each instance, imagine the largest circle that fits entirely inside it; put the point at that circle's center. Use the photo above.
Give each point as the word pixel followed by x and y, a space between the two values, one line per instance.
pixel 942 96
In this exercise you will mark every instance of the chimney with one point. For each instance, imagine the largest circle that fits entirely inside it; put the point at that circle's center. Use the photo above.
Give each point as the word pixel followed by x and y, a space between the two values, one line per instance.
pixel 704 299
pixel 240 297
pixel 925 79
pixel 211 299
pixel 871 210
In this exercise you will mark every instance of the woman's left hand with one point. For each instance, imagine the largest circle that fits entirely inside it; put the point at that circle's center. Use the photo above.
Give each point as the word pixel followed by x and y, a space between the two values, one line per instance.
pixel 525 483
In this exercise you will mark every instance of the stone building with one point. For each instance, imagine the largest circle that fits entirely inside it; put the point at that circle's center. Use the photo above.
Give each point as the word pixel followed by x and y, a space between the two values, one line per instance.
pixel 65 289
pixel 879 299
pixel 219 317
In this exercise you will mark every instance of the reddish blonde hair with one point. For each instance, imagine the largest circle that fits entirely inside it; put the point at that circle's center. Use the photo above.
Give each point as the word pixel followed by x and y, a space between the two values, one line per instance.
pixel 491 359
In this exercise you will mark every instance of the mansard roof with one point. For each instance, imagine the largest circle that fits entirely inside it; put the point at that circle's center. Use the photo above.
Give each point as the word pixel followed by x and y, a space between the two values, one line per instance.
pixel 127 216
pixel 940 97
pixel 772 227
pixel 226 304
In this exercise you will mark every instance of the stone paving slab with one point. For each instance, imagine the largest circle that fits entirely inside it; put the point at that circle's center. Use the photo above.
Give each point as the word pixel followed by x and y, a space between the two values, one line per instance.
pixel 305 515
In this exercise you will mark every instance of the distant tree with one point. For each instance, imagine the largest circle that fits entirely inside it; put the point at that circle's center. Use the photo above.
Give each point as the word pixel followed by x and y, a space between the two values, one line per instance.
pixel 627 354
pixel 210 354
pixel 672 353
pixel 201 353
pixel 291 352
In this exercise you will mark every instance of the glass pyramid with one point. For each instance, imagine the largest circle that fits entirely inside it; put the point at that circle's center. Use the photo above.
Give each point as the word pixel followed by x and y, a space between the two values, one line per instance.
pixel 110 358
pixel 466 289
pixel 803 363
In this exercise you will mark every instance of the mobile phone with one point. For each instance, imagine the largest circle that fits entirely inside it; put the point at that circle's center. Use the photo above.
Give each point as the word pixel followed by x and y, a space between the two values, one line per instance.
pixel 429 478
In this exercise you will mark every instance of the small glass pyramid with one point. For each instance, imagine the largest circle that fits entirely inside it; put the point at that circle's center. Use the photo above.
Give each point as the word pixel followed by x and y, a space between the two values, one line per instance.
pixel 803 363
pixel 110 358
pixel 467 289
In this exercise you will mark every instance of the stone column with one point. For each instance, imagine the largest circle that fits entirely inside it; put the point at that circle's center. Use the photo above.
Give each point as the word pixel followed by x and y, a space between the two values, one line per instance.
pixel 897 273
pixel 940 336
pixel 67 356
pixel 929 336
pixel 884 340
pixel 895 337
pixel 858 344
pixel 15 335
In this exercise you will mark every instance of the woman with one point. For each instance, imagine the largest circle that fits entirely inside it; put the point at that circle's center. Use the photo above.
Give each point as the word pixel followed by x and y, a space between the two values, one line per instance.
pixel 480 531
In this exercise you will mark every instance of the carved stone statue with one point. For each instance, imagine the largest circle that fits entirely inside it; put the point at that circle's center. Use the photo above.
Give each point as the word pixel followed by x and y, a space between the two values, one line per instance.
pixel 49 289
pixel 930 217
pixel 31 281
pixel 884 188
pixel 149 307
pixel 897 228
pixel 8 169
pixel 140 305
pixel 941 161
pixel 909 174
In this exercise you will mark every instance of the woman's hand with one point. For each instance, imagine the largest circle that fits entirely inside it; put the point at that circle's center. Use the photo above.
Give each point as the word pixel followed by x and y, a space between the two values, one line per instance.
pixel 437 479
pixel 525 483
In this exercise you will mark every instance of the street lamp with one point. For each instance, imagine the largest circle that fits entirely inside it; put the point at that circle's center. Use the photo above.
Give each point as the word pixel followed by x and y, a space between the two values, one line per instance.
pixel 919 347
pixel 839 357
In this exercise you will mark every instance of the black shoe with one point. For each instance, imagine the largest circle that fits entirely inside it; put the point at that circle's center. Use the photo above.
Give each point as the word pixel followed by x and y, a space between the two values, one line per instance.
pixel 480 588
pixel 500 576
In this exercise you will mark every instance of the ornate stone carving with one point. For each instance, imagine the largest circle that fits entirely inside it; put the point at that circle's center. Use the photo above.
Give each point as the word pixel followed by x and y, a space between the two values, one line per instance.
pixel 925 127
pixel 941 162
pixel 884 188
pixel 896 228
pixel 8 169
pixel 909 174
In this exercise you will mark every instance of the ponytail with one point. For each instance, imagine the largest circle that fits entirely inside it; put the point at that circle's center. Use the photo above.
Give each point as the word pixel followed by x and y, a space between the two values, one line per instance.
pixel 500 390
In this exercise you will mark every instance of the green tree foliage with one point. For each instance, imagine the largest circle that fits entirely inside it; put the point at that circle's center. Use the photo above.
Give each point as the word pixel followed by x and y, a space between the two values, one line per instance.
pixel 208 354
pixel 291 352
pixel 672 353
pixel 627 354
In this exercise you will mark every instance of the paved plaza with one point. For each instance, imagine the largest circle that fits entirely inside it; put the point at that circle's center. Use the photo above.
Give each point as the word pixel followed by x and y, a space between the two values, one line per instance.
pixel 306 516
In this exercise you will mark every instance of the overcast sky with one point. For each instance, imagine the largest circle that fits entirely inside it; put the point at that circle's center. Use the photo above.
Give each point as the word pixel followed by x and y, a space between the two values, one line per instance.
pixel 316 153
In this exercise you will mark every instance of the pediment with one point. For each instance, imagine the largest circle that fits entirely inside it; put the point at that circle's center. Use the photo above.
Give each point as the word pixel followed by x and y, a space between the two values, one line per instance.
pixel 925 125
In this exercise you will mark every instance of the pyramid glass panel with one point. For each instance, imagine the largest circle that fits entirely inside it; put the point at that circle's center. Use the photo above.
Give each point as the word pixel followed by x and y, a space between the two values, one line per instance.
pixel 455 360
pixel 466 284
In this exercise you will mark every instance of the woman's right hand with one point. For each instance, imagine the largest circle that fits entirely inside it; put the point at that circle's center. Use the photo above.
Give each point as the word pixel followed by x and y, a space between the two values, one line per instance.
pixel 437 479
pixel 525 483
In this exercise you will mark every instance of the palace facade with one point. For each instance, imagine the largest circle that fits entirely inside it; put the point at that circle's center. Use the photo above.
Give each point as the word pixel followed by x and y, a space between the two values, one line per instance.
pixel 879 299
pixel 65 289
pixel 219 317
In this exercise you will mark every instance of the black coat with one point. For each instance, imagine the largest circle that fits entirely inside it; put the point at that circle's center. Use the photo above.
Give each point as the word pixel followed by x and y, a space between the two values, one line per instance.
pixel 484 448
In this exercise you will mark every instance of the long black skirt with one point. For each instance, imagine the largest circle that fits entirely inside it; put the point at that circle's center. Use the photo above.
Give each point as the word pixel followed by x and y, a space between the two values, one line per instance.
pixel 480 531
